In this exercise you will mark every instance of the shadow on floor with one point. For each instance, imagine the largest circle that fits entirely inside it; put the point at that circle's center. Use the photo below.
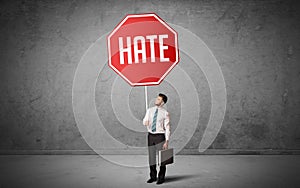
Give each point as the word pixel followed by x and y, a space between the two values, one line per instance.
pixel 179 177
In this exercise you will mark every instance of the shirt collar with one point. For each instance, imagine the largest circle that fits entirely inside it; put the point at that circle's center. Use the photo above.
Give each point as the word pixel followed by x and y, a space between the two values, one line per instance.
pixel 159 107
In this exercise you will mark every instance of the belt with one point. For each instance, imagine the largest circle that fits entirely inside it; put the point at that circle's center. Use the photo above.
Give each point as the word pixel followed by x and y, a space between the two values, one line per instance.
pixel 156 134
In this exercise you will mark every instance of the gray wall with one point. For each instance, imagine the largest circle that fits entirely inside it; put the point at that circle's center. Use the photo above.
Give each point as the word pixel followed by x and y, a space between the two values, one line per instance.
pixel 255 42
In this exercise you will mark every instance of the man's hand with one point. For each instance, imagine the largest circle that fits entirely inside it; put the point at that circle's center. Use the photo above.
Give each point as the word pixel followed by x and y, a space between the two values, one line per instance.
pixel 147 123
pixel 165 146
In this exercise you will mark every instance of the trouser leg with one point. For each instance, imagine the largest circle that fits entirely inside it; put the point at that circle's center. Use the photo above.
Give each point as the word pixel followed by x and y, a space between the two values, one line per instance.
pixel 152 157
pixel 162 168
pixel 162 172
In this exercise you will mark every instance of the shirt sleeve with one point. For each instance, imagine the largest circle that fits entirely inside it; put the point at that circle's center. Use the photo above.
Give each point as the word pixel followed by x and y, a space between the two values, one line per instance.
pixel 146 118
pixel 167 126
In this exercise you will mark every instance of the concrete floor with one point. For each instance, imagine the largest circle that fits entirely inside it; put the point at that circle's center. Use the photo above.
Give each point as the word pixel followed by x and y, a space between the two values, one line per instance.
pixel 188 171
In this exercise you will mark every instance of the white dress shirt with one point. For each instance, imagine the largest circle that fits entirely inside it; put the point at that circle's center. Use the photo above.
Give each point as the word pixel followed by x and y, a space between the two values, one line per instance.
pixel 162 121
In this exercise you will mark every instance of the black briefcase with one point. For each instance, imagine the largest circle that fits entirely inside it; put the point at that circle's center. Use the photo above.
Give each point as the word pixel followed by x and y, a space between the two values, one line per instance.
pixel 166 156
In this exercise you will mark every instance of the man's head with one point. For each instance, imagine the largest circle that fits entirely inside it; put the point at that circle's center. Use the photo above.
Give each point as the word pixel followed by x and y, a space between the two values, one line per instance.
pixel 161 99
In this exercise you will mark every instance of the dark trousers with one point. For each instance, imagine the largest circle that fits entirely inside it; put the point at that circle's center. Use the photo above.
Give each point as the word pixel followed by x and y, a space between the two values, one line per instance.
pixel 155 143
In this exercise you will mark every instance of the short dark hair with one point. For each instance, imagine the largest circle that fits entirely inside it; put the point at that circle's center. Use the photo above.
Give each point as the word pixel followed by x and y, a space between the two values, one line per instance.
pixel 164 97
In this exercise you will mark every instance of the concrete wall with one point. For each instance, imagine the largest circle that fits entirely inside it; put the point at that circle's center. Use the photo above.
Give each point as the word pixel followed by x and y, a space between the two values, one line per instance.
pixel 255 42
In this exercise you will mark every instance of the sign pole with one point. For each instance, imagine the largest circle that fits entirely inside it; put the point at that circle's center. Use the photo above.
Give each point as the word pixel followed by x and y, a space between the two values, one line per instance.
pixel 146 97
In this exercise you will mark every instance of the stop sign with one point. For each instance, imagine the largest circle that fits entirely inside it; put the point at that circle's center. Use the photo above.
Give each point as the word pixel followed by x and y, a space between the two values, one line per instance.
pixel 143 49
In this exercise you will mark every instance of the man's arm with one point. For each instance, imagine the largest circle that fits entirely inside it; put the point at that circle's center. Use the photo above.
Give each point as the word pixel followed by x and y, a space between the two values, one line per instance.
pixel 168 131
pixel 146 118
pixel 167 126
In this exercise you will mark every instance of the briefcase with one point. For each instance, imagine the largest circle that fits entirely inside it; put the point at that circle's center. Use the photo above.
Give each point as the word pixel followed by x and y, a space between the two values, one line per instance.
pixel 166 156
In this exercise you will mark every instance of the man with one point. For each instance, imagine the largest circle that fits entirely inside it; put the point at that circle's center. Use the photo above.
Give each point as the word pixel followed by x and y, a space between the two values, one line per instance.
pixel 157 121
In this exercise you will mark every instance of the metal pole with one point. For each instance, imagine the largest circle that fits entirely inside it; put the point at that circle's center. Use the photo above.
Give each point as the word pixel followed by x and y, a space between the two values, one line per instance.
pixel 146 97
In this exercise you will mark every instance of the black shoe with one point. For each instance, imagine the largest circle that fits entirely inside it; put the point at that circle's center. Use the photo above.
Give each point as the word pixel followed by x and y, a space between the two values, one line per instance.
pixel 151 180
pixel 160 181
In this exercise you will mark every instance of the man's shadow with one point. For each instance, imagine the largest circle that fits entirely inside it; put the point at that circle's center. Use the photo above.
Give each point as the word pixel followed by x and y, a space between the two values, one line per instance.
pixel 179 177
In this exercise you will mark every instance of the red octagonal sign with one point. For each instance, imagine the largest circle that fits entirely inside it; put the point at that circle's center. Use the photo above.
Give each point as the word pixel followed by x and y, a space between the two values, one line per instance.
pixel 143 49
